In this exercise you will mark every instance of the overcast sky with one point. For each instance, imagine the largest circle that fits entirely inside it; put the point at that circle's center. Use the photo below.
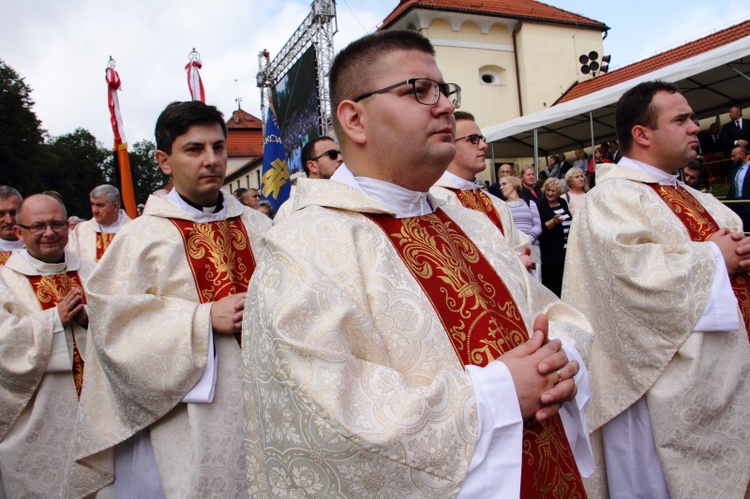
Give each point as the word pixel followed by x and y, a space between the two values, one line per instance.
pixel 61 48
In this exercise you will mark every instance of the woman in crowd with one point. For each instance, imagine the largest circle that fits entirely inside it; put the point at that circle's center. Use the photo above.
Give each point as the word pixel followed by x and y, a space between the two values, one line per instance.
pixel 582 160
pixel 556 219
pixel 577 188
pixel 529 190
pixel 525 216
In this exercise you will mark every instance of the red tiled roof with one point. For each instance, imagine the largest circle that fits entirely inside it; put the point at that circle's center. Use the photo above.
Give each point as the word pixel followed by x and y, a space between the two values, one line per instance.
pixel 710 42
pixel 513 9
pixel 242 119
pixel 244 143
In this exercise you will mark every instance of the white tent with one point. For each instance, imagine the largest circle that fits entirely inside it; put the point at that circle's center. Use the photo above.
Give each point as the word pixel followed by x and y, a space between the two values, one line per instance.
pixel 712 81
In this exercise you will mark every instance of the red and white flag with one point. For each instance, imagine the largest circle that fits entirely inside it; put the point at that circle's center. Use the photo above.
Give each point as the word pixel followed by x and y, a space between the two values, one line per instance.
pixel 194 78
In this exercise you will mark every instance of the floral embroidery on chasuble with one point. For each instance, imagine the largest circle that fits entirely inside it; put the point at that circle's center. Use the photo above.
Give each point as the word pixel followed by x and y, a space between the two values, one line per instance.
pixel 482 321
pixel 103 240
pixel 49 290
pixel 4 255
pixel 479 201
pixel 700 226
pixel 219 255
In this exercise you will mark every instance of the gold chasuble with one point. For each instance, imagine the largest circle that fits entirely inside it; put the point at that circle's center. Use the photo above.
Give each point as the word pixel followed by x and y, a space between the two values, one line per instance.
pixel 49 290
pixel 700 226
pixel 479 201
pixel 483 322
pixel 4 255
pixel 103 240
pixel 219 256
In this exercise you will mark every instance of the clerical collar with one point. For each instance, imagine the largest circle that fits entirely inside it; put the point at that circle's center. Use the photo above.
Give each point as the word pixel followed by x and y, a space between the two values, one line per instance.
pixel 205 209
pixel 402 201
pixel 198 213
pixel 662 177
pixel 463 184
pixel 111 229
pixel 10 245
pixel 45 268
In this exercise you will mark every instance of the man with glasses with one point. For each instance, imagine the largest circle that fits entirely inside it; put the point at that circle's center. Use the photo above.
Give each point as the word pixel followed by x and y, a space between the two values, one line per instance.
pixel 459 186
pixel 9 201
pixel 363 313
pixel 91 238
pixel 43 320
pixel 320 159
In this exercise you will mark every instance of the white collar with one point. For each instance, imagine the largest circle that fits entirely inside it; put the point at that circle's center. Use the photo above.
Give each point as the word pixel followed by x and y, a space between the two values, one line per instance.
pixel 402 201
pixel 45 268
pixel 198 215
pixel 111 229
pixel 662 177
pixel 10 245
pixel 462 184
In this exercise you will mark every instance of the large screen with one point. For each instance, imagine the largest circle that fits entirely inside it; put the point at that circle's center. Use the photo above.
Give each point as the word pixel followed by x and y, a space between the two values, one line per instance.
pixel 295 99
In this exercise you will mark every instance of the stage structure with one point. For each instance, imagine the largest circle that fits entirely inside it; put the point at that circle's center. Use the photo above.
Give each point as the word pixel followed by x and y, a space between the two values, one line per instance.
pixel 316 30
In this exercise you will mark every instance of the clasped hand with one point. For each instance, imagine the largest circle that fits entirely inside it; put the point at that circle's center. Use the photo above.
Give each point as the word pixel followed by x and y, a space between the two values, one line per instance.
pixel 542 373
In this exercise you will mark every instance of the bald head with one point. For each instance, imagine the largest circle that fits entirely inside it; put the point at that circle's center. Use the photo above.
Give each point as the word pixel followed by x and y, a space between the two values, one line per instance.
pixel 42 225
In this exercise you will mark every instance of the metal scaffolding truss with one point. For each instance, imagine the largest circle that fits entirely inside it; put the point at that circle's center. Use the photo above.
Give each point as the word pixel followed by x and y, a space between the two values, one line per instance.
pixel 317 29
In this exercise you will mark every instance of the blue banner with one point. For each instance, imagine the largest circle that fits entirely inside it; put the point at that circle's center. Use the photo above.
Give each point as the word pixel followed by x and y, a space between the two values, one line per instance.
pixel 275 184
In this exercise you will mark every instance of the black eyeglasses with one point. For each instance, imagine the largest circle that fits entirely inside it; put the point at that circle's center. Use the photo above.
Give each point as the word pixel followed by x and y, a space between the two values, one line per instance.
pixel 38 229
pixel 426 91
pixel 332 154
pixel 474 138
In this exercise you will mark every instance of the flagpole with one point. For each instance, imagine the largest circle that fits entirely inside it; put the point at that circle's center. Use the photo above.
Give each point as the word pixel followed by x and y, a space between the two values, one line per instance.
pixel 121 145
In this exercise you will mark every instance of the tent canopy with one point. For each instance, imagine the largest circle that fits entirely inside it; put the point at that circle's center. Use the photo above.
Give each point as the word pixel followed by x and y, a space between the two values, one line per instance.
pixel 711 81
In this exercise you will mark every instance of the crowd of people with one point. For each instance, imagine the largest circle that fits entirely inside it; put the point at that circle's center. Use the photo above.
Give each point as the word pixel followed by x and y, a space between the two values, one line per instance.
pixel 387 335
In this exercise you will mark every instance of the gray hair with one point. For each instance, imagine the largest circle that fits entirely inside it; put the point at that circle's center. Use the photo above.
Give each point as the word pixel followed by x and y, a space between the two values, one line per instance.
pixel 7 191
pixel 110 191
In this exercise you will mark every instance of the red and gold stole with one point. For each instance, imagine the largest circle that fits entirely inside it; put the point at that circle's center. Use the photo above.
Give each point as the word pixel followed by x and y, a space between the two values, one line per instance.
pixel 4 255
pixel 220 257
pixel 482 321
pixel 700 226
pixel 103 240
pixel 479 201
pixel 49 290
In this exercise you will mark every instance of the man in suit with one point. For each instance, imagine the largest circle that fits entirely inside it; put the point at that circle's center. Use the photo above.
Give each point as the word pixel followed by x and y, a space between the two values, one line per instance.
pixel 740 188
pixel 614 151
pixel 736 132
pixel 564 165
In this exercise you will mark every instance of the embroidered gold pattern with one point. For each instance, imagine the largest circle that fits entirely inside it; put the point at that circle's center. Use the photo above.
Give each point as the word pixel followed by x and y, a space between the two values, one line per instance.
pixel 479 201
pixel 700 226
pixel 49 290
pixel 482 321
pixel 4 255
pixel 103 240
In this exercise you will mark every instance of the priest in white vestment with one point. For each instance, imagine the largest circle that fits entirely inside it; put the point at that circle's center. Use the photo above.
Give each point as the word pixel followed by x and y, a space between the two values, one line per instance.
pixel 9 201
pixel 354 386
pixel 91 238
pixel 653 263
pixel 43 322
pixel 161 415
pixel 459 185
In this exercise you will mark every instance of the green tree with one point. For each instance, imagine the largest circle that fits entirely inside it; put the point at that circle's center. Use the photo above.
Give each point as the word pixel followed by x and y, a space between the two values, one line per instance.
pixel 79 168
pixel 21 135
pixel 147 176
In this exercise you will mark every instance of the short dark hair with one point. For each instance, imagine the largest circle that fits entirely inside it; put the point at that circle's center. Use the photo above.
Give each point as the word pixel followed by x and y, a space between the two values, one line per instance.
pixel 353 68
pixel 464 115
pixel 178 117
pixel 635 108
pixel 307 151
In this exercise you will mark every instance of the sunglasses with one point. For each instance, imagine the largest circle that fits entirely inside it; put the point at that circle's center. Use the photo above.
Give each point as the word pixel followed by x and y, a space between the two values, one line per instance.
pixel 473 138
pixel 331 153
